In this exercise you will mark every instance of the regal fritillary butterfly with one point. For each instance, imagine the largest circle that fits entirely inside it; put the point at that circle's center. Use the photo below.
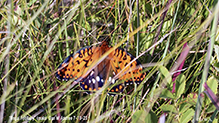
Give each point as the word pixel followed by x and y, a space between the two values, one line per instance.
pixel 116 64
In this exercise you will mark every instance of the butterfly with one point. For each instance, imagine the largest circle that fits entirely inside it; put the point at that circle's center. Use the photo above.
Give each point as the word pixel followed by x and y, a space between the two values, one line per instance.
pixel 114 67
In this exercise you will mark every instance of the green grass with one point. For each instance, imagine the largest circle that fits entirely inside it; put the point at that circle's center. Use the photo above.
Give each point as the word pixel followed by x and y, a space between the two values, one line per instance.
pixel 36 36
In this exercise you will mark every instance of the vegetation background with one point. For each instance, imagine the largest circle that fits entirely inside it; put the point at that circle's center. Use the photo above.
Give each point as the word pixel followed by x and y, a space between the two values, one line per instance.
pixel 175 40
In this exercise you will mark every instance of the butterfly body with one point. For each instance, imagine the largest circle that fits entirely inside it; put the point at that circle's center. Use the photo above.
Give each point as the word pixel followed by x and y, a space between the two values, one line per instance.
pixel 83 66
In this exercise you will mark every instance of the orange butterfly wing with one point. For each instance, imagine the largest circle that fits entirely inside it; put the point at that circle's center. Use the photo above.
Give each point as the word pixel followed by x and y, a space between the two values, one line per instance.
pixel 125 70
pixel 75 65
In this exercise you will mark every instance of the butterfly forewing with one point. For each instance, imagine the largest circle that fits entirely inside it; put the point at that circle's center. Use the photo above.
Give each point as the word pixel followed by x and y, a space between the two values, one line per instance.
pixel 124 69
pixel 75 65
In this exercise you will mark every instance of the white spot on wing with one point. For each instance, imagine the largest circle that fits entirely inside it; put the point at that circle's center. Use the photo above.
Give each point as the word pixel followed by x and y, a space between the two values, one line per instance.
pixel 98 78
pixel 113 81
pixel 93 80
pixel 114 73
pixel 110 78
pixel 92 72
